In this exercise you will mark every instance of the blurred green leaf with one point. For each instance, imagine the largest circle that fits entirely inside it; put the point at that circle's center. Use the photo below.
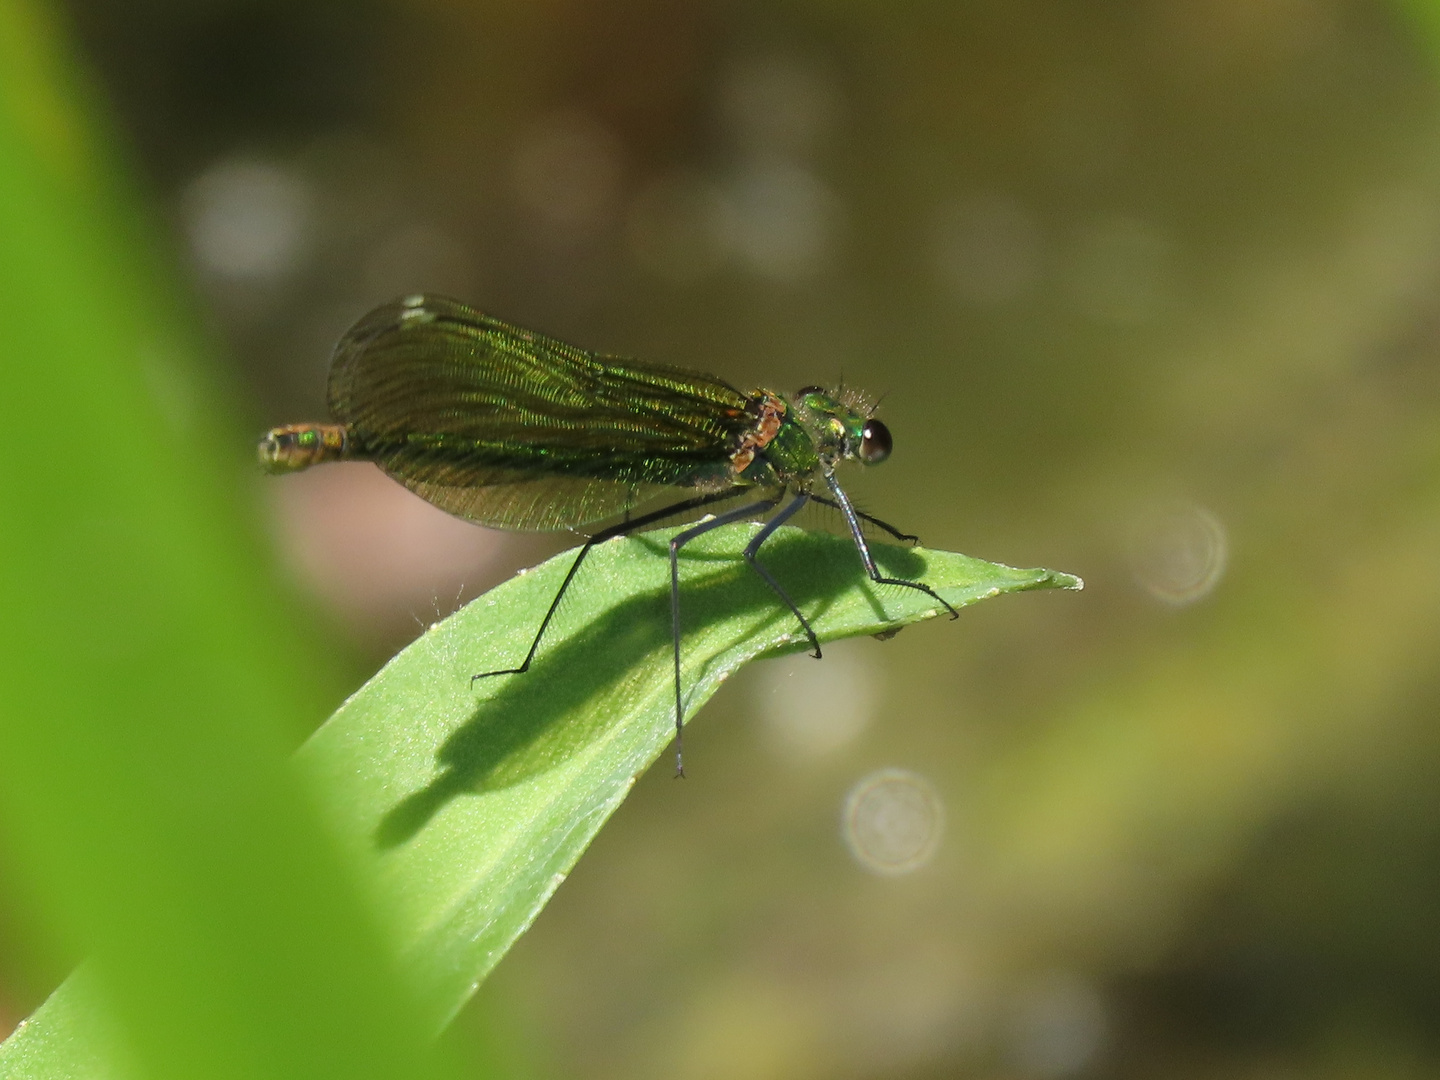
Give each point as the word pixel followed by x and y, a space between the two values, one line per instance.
pixel 474 801
pixel 72 1035
pixel 149 812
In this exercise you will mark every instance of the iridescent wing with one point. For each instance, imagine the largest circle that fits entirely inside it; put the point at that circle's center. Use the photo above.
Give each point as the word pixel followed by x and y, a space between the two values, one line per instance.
pixel 516 430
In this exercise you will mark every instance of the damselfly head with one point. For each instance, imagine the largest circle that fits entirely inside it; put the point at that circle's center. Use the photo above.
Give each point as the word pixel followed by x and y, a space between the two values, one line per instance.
pixel 842 425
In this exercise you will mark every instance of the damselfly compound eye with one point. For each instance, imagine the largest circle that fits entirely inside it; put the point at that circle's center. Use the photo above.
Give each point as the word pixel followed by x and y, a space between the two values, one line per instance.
pixel 875 443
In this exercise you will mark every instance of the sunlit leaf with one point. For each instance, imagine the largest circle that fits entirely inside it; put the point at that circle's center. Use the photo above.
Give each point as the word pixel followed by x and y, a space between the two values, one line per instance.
pixel 472 802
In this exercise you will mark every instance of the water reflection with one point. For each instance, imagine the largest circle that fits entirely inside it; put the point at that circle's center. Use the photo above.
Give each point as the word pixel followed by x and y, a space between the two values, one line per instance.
pixel 814 708
pixel 893 821
pixel 1178 552
pixel 248 220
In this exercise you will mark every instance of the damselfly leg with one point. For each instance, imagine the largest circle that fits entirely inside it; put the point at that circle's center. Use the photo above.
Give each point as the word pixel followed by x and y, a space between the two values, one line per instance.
pixel 852 518
pixel 624 528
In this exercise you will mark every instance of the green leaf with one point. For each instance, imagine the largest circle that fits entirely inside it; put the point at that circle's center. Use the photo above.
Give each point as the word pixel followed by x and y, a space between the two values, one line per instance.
pixel 472 802
pixel 150 812
pixel 73 1035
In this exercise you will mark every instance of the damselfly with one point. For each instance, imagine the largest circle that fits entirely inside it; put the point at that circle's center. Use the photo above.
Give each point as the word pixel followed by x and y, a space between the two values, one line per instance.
pixel 514 430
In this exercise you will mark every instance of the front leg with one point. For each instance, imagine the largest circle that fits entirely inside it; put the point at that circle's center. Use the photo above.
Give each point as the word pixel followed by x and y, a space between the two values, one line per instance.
pixel 858 535
pixel 891 529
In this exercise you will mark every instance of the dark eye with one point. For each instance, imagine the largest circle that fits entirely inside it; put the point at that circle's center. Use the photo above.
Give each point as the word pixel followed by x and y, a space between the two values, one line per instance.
pixel 875 443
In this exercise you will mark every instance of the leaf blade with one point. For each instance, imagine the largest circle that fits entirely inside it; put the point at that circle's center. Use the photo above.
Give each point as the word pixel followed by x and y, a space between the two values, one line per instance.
pixel 474 808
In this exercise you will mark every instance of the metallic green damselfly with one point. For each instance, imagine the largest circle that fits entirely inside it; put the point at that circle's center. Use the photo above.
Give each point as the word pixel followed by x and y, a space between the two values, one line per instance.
pixel 514 430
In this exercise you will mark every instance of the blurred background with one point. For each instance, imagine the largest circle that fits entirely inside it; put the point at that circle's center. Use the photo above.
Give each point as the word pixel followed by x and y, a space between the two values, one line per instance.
pixel 1152 289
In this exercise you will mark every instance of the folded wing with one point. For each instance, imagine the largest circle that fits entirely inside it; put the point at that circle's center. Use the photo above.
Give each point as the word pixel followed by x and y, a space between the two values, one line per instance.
pixel 516 430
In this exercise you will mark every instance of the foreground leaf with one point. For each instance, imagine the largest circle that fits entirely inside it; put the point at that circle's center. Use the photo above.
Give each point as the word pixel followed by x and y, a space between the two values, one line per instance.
pixel 72 1036
pixel 147 806
pixel 472 802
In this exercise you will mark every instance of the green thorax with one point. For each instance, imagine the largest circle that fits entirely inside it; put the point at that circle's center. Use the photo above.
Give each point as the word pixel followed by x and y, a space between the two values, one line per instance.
pixel 816 430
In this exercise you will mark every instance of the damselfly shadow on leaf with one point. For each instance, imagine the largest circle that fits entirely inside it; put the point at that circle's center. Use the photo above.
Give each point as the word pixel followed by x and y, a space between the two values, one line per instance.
pixel 597 667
